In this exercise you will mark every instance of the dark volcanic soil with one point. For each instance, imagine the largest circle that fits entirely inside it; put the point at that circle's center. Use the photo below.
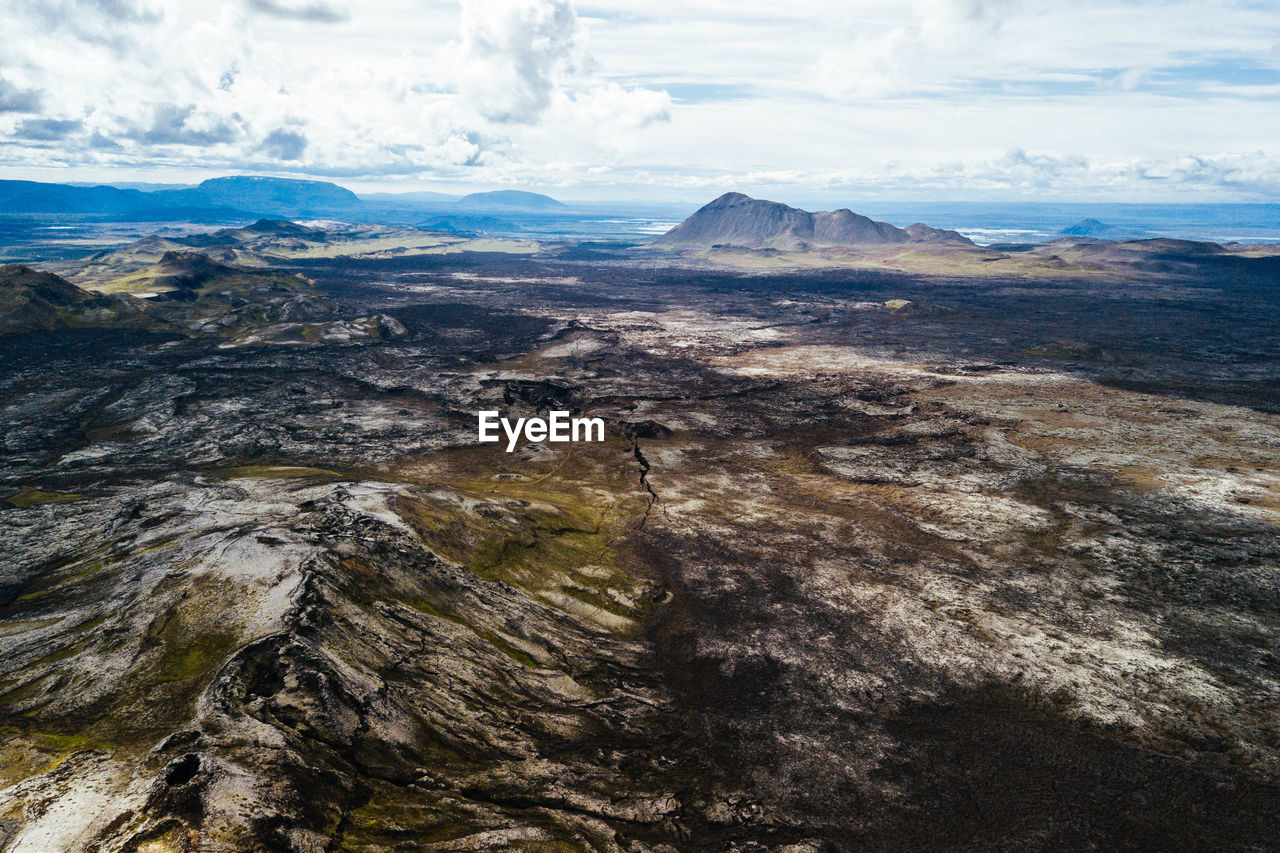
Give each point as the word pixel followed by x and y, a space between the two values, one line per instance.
pixel 868 561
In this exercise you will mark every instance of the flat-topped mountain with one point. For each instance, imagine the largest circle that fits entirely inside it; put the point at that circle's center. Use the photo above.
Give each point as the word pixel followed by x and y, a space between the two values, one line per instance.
pixel 223 196
pixel 267 194
pixel 508 200
pixel 735 219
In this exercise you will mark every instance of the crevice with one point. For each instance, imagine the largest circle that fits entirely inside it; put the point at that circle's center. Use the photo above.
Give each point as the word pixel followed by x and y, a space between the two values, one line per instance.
pixel 644 479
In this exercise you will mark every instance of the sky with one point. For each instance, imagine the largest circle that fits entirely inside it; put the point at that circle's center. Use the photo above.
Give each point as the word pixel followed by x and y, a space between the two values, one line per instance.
pixel 680 100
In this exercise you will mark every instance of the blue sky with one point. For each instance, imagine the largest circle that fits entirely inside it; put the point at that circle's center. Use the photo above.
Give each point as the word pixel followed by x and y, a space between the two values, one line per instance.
pixel 914 99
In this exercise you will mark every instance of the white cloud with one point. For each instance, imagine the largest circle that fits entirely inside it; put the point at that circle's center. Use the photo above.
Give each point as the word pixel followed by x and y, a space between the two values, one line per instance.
pixel 928 50
pixel 109 23
pixel 1150 98
pixel 511 55
pixel 168 83
pixel 611 114
pixel 312 10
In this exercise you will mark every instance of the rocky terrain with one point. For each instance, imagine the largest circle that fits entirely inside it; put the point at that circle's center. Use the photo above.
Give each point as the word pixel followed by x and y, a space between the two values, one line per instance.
pixel 868 561
pixel 268 243
pixel 185 294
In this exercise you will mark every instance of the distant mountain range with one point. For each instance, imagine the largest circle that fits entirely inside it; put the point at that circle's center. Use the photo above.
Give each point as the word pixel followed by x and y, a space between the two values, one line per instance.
pixel 738 220
pixel 251 196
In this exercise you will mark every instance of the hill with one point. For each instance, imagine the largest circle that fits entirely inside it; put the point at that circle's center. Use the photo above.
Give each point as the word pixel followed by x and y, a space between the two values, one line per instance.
pixel 415 199
pixel 509 200
pixel 187 276
pixel 187 293
pixel 735 219
pixel 1102 231
pixel 31 300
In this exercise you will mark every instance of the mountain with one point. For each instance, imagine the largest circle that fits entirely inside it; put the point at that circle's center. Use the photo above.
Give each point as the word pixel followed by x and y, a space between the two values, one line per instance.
pixel 190 276
pixel 145 186
pixel 509 200
pixel 269 195
pixel 39 197
pixel 31 300
pixel 186 293
pixel 468 223
pixel 272 227
pixel 414 199
pixel 181 275
pixel 738 220
pixel 245 197
pixel 21 283
pixel 238 196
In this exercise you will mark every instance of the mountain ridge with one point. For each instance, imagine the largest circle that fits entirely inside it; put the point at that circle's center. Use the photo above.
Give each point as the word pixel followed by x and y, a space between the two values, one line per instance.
pixel 242 195
pixel 736 219
pixel 252 196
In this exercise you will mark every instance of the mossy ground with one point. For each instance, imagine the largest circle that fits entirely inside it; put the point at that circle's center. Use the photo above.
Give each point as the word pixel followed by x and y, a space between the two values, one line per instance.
pixel 25 753
pixel 29 496
pixel 555 525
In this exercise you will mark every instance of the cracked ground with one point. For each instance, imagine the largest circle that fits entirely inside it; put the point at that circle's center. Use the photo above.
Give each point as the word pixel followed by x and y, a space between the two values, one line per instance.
pixel 993 569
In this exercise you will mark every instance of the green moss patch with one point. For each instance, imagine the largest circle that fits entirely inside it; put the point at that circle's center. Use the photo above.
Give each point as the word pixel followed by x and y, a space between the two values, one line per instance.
pixel 24 754
pixel 518 655
pixel 29 496
pixel 558 533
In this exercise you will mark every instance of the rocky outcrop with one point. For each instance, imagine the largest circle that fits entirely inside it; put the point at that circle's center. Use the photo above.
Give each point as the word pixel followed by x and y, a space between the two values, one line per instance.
pixel 842 576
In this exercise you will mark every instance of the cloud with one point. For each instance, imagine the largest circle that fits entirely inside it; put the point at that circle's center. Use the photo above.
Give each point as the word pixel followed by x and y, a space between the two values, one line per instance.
pixel 1131 78
pixel 15 100
pixel 511 54
pixel 915 97
pixel 927 51
pixel 618 107
pixel 316 11
pixel 183 125
pixel 60 13
pixel 1254 174
pixel 284 144
pixel 100 142
pixel 611 116
pixel 1037 175
pixel 47 129
pixel 103 22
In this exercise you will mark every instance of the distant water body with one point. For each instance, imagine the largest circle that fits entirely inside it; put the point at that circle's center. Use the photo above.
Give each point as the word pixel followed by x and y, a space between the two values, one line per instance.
pixel 52 236
pixel 988 223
